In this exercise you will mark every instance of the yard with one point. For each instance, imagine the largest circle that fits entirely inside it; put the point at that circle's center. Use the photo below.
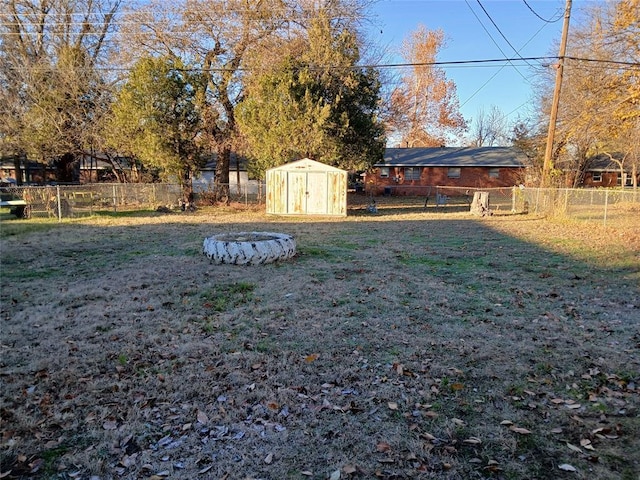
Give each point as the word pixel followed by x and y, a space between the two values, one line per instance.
pixel 400 344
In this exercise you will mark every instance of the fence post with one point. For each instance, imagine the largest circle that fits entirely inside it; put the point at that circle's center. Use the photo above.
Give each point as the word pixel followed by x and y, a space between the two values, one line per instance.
pixel 59 201
pixel 115 200
pixel 606 203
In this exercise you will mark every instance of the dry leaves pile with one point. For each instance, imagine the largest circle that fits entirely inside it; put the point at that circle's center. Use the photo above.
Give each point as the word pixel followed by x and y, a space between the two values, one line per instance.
pixel 393 346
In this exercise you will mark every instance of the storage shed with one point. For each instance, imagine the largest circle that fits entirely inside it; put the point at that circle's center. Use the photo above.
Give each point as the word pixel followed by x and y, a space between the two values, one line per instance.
pixel 306 187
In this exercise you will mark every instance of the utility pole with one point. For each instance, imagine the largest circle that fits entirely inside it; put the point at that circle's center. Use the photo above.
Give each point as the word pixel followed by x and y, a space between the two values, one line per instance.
pixel 546 168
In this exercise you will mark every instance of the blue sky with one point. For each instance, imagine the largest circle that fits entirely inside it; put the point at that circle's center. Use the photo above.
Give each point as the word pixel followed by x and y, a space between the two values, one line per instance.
pixel 471 35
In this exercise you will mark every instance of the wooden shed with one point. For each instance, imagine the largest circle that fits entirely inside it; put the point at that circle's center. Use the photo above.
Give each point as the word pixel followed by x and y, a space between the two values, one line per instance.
pixel 306 187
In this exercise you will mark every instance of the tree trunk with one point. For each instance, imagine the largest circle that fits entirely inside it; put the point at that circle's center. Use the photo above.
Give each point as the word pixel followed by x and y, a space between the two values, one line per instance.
pixel 17 166
pixel 480 204
pixel 65 168
pixel 221 181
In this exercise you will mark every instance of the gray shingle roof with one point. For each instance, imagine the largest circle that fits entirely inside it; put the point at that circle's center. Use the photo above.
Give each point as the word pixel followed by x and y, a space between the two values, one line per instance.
pixel 453 157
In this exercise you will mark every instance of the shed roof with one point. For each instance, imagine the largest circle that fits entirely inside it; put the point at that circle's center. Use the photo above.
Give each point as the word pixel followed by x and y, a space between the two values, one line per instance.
pixel 307 165
pixel 453 157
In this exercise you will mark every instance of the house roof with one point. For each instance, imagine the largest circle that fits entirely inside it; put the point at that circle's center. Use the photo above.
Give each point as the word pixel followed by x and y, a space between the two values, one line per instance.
pixel 604 163
pixel 453 157
pixel 236 161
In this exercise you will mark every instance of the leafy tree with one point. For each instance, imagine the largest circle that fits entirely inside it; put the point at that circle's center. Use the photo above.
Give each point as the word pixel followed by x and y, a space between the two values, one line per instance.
pixel 599 108
pixel 155 118
pixel 530 140
pixel 424 106
pixel 320 101
pixel 219 37
pixel 50 52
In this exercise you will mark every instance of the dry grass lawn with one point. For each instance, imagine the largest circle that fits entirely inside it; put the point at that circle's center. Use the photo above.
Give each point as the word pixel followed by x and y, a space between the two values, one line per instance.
pixel 402 344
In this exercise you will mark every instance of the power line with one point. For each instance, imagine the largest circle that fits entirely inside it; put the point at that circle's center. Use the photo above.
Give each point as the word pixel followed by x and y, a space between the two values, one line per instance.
pixel 541 18
pixel 493 40
pixel 496 74
pixel 449 63
pixel 446 63
pixel 497 28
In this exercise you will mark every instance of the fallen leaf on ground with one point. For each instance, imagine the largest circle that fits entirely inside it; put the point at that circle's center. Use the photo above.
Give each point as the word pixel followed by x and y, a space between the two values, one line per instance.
pixel 110 425
pixel 383 447
pixel 312 358
pixel 428 436
pixel 520 430
pixel 567 468
pixel 268 459
pixel 202 417
pixel 349 469
pixel 335 475
pixel 574 448
pixel 393 405
pixel 586 443
pixel 472 441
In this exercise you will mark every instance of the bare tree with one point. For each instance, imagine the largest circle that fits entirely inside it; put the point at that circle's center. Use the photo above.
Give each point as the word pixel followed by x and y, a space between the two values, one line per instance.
pixel 489 128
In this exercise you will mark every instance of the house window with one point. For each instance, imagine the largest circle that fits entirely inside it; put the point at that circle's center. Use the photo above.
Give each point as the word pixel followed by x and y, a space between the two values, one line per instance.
pixel 411 173
pixel 625 180
pixel 596 176
pixel 494 173
pixel 453 172
pixel 384 172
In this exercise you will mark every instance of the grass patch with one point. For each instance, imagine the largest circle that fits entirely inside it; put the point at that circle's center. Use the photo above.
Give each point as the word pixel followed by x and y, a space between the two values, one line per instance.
pixel 223 297
pixel 401 345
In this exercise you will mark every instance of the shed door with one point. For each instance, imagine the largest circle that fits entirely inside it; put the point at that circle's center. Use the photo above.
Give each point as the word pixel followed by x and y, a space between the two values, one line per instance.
pixel 296 192
pixel 317 193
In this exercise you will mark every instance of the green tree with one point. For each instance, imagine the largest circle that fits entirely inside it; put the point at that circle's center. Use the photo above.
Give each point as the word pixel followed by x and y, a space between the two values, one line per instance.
pixel 155 118
pixel 52 93
pixel 317 102
pixel 219 37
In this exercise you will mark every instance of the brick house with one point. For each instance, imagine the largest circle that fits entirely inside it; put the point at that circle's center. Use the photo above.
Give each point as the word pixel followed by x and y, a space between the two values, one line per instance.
pixel 414 171
pixel 604 172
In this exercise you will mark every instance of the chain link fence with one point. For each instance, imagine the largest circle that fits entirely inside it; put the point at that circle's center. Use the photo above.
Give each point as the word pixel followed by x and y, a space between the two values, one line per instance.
pixel 450 197
pixel 607 206
pixel 73 201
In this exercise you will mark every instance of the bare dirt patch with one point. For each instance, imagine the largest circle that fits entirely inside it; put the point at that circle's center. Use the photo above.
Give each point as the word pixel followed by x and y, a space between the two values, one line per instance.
pixel 396 345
